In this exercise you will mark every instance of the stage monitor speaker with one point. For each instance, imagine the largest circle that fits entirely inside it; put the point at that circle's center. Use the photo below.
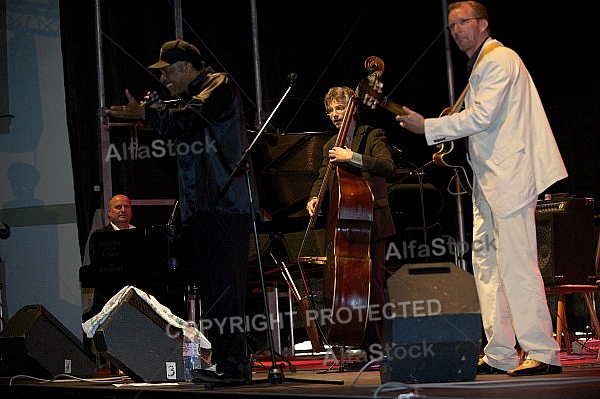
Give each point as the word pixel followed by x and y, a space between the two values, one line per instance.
pixel 566 240
pixel 140 342
pixel 35 343
pixel 432 331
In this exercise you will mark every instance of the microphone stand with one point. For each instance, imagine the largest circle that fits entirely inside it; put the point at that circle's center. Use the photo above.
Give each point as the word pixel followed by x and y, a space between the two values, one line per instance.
pixel 460 225
pixel 275 375
pixel 292 78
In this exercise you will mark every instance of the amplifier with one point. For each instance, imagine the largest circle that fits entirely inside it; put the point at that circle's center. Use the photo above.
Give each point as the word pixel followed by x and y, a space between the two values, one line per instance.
pixel 566 240
pixel 434 334
pixel 140 342
pixel 35 343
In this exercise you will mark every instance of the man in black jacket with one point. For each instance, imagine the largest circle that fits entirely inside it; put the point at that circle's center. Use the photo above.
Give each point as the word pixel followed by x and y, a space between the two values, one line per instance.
pixel 205 117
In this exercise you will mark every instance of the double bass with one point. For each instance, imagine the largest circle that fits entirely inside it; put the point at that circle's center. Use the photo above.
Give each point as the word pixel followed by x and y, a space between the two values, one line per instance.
pixel 347 265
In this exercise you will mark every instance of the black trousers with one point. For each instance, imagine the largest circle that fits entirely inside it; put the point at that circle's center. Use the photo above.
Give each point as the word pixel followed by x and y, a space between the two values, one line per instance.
pixel 219 248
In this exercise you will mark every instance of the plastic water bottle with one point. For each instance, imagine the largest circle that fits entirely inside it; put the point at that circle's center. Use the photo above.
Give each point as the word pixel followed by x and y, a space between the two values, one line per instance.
pixel 191 356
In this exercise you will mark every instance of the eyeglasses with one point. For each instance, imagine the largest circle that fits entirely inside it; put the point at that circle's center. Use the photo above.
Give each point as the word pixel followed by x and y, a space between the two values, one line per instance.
pixel 339 109
pixel 169 70
pixel 461 22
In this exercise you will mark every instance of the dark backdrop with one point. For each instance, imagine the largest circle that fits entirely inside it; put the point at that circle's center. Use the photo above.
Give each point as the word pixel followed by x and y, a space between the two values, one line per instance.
pixel 326 43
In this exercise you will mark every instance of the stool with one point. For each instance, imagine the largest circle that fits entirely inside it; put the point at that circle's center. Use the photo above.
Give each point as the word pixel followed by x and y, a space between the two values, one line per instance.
pixel 561 320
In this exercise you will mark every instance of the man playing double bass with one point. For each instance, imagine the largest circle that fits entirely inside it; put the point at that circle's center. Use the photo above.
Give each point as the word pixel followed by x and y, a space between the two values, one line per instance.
pixel 365 154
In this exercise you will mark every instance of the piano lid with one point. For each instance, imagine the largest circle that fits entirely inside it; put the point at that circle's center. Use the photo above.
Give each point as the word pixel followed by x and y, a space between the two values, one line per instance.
pixel 287 169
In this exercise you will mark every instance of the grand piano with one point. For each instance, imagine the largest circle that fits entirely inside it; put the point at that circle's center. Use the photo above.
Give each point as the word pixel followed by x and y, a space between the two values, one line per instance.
pixel 150 258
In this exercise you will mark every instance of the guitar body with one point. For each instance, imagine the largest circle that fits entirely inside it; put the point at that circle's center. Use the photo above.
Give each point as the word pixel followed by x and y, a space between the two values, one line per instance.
pixel 441 158
pixel 451 153
pixel 444 149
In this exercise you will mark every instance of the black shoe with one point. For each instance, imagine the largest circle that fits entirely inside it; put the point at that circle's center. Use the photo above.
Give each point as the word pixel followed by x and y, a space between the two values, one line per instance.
pixel 534 367
pixel 241 371
pixel 357 366
pixel 354 366
pixel 484 368
pixel 203 376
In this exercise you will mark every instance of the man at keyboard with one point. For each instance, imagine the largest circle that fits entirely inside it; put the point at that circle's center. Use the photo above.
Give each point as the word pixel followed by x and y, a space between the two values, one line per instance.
pixel 119 214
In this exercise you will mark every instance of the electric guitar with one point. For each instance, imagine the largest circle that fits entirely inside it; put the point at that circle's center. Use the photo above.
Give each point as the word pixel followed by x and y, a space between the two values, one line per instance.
pixel 445 156
pixel 371 89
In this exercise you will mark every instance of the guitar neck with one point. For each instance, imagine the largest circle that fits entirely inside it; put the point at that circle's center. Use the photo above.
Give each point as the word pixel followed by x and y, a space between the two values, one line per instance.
pixel 392 106
pixel 372 91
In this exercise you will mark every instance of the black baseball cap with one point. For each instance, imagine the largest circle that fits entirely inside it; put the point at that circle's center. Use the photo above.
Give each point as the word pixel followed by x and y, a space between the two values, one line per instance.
pixel 178 50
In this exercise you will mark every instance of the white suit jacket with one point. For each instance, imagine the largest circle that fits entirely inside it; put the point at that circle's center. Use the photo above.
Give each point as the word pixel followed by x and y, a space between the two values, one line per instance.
pixel 513 152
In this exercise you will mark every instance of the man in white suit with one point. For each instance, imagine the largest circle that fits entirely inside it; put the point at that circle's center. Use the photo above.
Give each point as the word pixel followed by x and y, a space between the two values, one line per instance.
pixel 514 157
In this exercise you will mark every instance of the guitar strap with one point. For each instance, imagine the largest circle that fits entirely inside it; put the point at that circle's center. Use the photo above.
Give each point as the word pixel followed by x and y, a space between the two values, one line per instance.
pixel 459 103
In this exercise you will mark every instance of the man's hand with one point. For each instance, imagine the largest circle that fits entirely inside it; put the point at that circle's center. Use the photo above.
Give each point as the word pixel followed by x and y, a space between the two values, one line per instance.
pixel 412 121
pixel 311 205
pixel 133 110
pixel 340 154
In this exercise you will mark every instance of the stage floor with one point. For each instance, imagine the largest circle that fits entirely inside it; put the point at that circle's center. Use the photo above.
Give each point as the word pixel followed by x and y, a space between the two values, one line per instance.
pixel 314 379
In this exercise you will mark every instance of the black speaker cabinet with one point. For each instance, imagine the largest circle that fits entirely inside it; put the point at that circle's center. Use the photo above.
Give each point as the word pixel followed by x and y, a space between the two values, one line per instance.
pixel 35 343
pixel 434 331
pixel 566 240
pixel 140 342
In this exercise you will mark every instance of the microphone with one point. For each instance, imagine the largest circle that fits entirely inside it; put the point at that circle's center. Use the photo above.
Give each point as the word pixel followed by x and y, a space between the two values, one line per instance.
pixel 158 95
pixel 153 99
pixel 292 77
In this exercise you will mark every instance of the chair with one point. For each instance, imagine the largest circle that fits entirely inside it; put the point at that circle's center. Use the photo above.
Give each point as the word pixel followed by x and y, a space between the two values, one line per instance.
pixel 588 291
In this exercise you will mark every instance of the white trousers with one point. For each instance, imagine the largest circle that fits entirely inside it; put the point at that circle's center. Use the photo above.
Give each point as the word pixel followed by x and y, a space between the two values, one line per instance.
pixel 510 287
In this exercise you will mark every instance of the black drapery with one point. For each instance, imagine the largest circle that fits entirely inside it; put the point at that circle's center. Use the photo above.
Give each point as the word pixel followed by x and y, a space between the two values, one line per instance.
pixel 325 43
pixel 81 93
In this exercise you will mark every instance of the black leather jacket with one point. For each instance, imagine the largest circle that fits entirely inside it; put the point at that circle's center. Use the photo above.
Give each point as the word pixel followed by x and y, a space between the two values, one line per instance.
pixel 207 124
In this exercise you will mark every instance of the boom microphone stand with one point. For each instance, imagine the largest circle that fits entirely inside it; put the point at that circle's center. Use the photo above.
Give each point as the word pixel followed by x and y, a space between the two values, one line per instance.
pixel 275 373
